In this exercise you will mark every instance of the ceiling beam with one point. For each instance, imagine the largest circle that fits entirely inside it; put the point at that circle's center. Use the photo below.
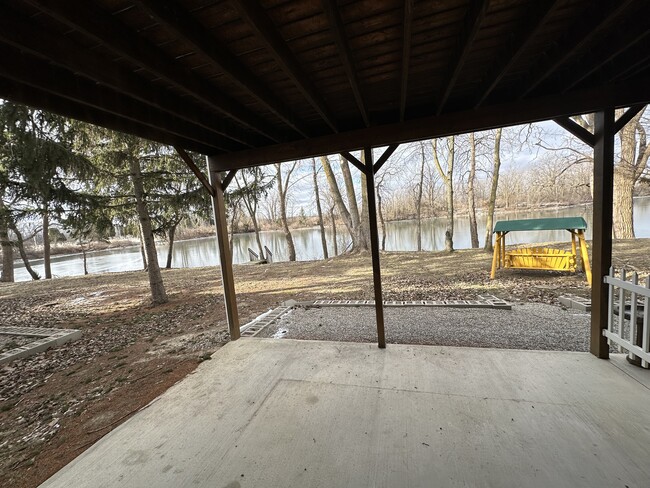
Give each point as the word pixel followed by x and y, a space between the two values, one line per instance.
pixel 99 25
pixel 627 36
pixel 338 32
pixel 42 100
pixel 486 117
pixel 533 23
pixel 597 18
pixel 266 31
pixel 471 25
pixel 406 56
pixel 173 16
pixel 576 130
pixel 16 31
pixel 30 71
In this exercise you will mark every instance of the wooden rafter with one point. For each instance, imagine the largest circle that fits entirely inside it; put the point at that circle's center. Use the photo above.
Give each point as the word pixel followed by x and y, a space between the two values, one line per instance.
pixel 176 18
pixel 338 32
pixel 483 118
pixel 33 97
pixel 596 19
pixel 263 26
pixel 406 56
pixel 354 161
pixel 189 162
pixel 228 178
pixel 472 24
pixel 384 157
pixel 628 115
pixel 577 130
pixel 14 30
pixel 98 25
pixel 30 71
pixel 534 23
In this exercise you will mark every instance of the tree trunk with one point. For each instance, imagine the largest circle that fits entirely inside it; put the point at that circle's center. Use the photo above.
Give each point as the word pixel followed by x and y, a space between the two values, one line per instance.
pixel 336 245
pixel 156 284
pixel 623 204
pixel 142 251
pixel 447 176
pixel 319 210
pixel 47 265
pixel 282 189
pixel 83 253
pixel 382 222
pixel 170 249
pixel 338 199
pixel 359 225
pixel 20 243
pixel 493 191
pixel 471 199
pixel 7 254
pixel 418 201
pixel 233 218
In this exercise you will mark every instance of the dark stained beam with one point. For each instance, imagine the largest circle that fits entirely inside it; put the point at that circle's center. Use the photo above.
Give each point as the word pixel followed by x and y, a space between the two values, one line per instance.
pixel 39 99
pixel 628 115
pixel 17 31
pixel 483 118
pixel 596 19
pixel 187 159
pixel 576 130
pixel 531 26
pixel 262 25
pixel 384 157
pixel 406 56
pixel 374 246
pixel 175 17
pixel 30 71
pixel 354 161
pixel 99 25
pixel 602 228
pixel 225 255
pixel 338 32
pixel 471 26
pixel 228 178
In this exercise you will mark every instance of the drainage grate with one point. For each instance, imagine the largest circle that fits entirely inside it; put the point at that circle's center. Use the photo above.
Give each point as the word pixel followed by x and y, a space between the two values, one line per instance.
pixel 252 328
pixel 483 301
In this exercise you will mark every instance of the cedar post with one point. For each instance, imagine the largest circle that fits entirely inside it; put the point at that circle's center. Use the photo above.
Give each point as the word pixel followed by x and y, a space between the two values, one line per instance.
pixel 374 245
pixel 602 227
pixel 225 258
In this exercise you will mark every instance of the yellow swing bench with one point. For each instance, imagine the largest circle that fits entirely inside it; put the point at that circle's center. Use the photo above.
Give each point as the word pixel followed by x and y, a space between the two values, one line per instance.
pixel 541 257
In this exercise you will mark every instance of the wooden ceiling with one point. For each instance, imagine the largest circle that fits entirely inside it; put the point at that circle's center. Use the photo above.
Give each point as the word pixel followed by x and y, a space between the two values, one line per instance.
pixel 254 82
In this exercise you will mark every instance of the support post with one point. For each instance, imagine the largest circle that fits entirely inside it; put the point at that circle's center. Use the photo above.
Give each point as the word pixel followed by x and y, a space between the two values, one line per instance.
pixel 374 246
pixel 495 256
pixel 225 258
pixel 602 227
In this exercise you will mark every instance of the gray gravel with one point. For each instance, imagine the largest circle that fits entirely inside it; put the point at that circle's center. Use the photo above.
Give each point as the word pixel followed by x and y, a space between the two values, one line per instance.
pixel 526 326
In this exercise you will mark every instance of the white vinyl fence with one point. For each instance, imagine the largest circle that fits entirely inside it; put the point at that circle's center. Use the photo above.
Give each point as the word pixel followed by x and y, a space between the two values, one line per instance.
pixel 629 311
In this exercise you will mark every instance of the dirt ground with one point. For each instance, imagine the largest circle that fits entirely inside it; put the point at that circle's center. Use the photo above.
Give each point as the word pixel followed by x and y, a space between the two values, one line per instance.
pixel 56 404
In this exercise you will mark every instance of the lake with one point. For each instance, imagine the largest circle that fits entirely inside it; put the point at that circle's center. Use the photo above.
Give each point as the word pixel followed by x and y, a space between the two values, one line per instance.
pixel 400 236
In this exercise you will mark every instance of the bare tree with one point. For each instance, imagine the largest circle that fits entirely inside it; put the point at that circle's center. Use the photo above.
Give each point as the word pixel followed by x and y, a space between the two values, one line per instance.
pixel 418 199
pixel 471 198
pixel 319 210
pixel 251 179
pixel 447 176
pixel 283 187
pixel 496 157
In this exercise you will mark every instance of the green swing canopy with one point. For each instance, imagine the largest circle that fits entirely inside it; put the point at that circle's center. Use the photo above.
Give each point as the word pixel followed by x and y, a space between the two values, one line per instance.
pixel 562 223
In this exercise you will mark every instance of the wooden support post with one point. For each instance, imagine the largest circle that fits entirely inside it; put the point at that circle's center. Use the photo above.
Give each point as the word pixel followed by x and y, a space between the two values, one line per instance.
pixel 374 246
pixel 574 249
pixel 502 247
pixel 225 258
pixel 495 256
pixel 602 227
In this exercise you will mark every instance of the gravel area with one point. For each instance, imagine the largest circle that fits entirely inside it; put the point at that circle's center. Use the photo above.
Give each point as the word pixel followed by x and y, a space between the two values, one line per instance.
pixel 526 326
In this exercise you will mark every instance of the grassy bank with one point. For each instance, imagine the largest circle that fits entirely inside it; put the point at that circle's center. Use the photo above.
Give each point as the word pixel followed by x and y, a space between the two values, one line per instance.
pixel 56 404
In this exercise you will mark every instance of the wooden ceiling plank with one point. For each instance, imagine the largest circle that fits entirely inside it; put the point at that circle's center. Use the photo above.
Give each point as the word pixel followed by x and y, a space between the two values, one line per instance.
pixel 533 24
pixel 257 18
pixel 597 18
pixel 103 28
pixel 174 17
pixel 406 56
pixel 338 32
pixel 471 26
pixel 33 97
pixel 15 31
pixel 483 118
pixel 30 71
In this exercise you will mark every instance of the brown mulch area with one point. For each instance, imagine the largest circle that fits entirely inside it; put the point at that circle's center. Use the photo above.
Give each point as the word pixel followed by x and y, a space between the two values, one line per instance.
pixel 56 404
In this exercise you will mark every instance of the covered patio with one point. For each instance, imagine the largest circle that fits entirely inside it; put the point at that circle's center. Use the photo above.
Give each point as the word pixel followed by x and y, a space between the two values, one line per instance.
pixel 288 413
pixel 249 83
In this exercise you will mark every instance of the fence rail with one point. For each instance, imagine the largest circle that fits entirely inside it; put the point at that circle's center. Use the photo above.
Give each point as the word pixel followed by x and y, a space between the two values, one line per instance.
pixel 629 330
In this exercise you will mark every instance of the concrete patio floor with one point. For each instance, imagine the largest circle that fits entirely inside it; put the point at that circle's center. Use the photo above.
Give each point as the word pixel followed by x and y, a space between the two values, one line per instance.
pixel 289 413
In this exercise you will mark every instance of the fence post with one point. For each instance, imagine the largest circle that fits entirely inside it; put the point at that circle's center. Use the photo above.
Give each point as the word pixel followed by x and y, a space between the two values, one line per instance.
pixel 633 338
pixel 646 322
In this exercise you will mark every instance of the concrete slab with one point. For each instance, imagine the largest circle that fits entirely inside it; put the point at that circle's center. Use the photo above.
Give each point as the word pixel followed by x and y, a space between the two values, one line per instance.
pixel 286 413
pixel 44 339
